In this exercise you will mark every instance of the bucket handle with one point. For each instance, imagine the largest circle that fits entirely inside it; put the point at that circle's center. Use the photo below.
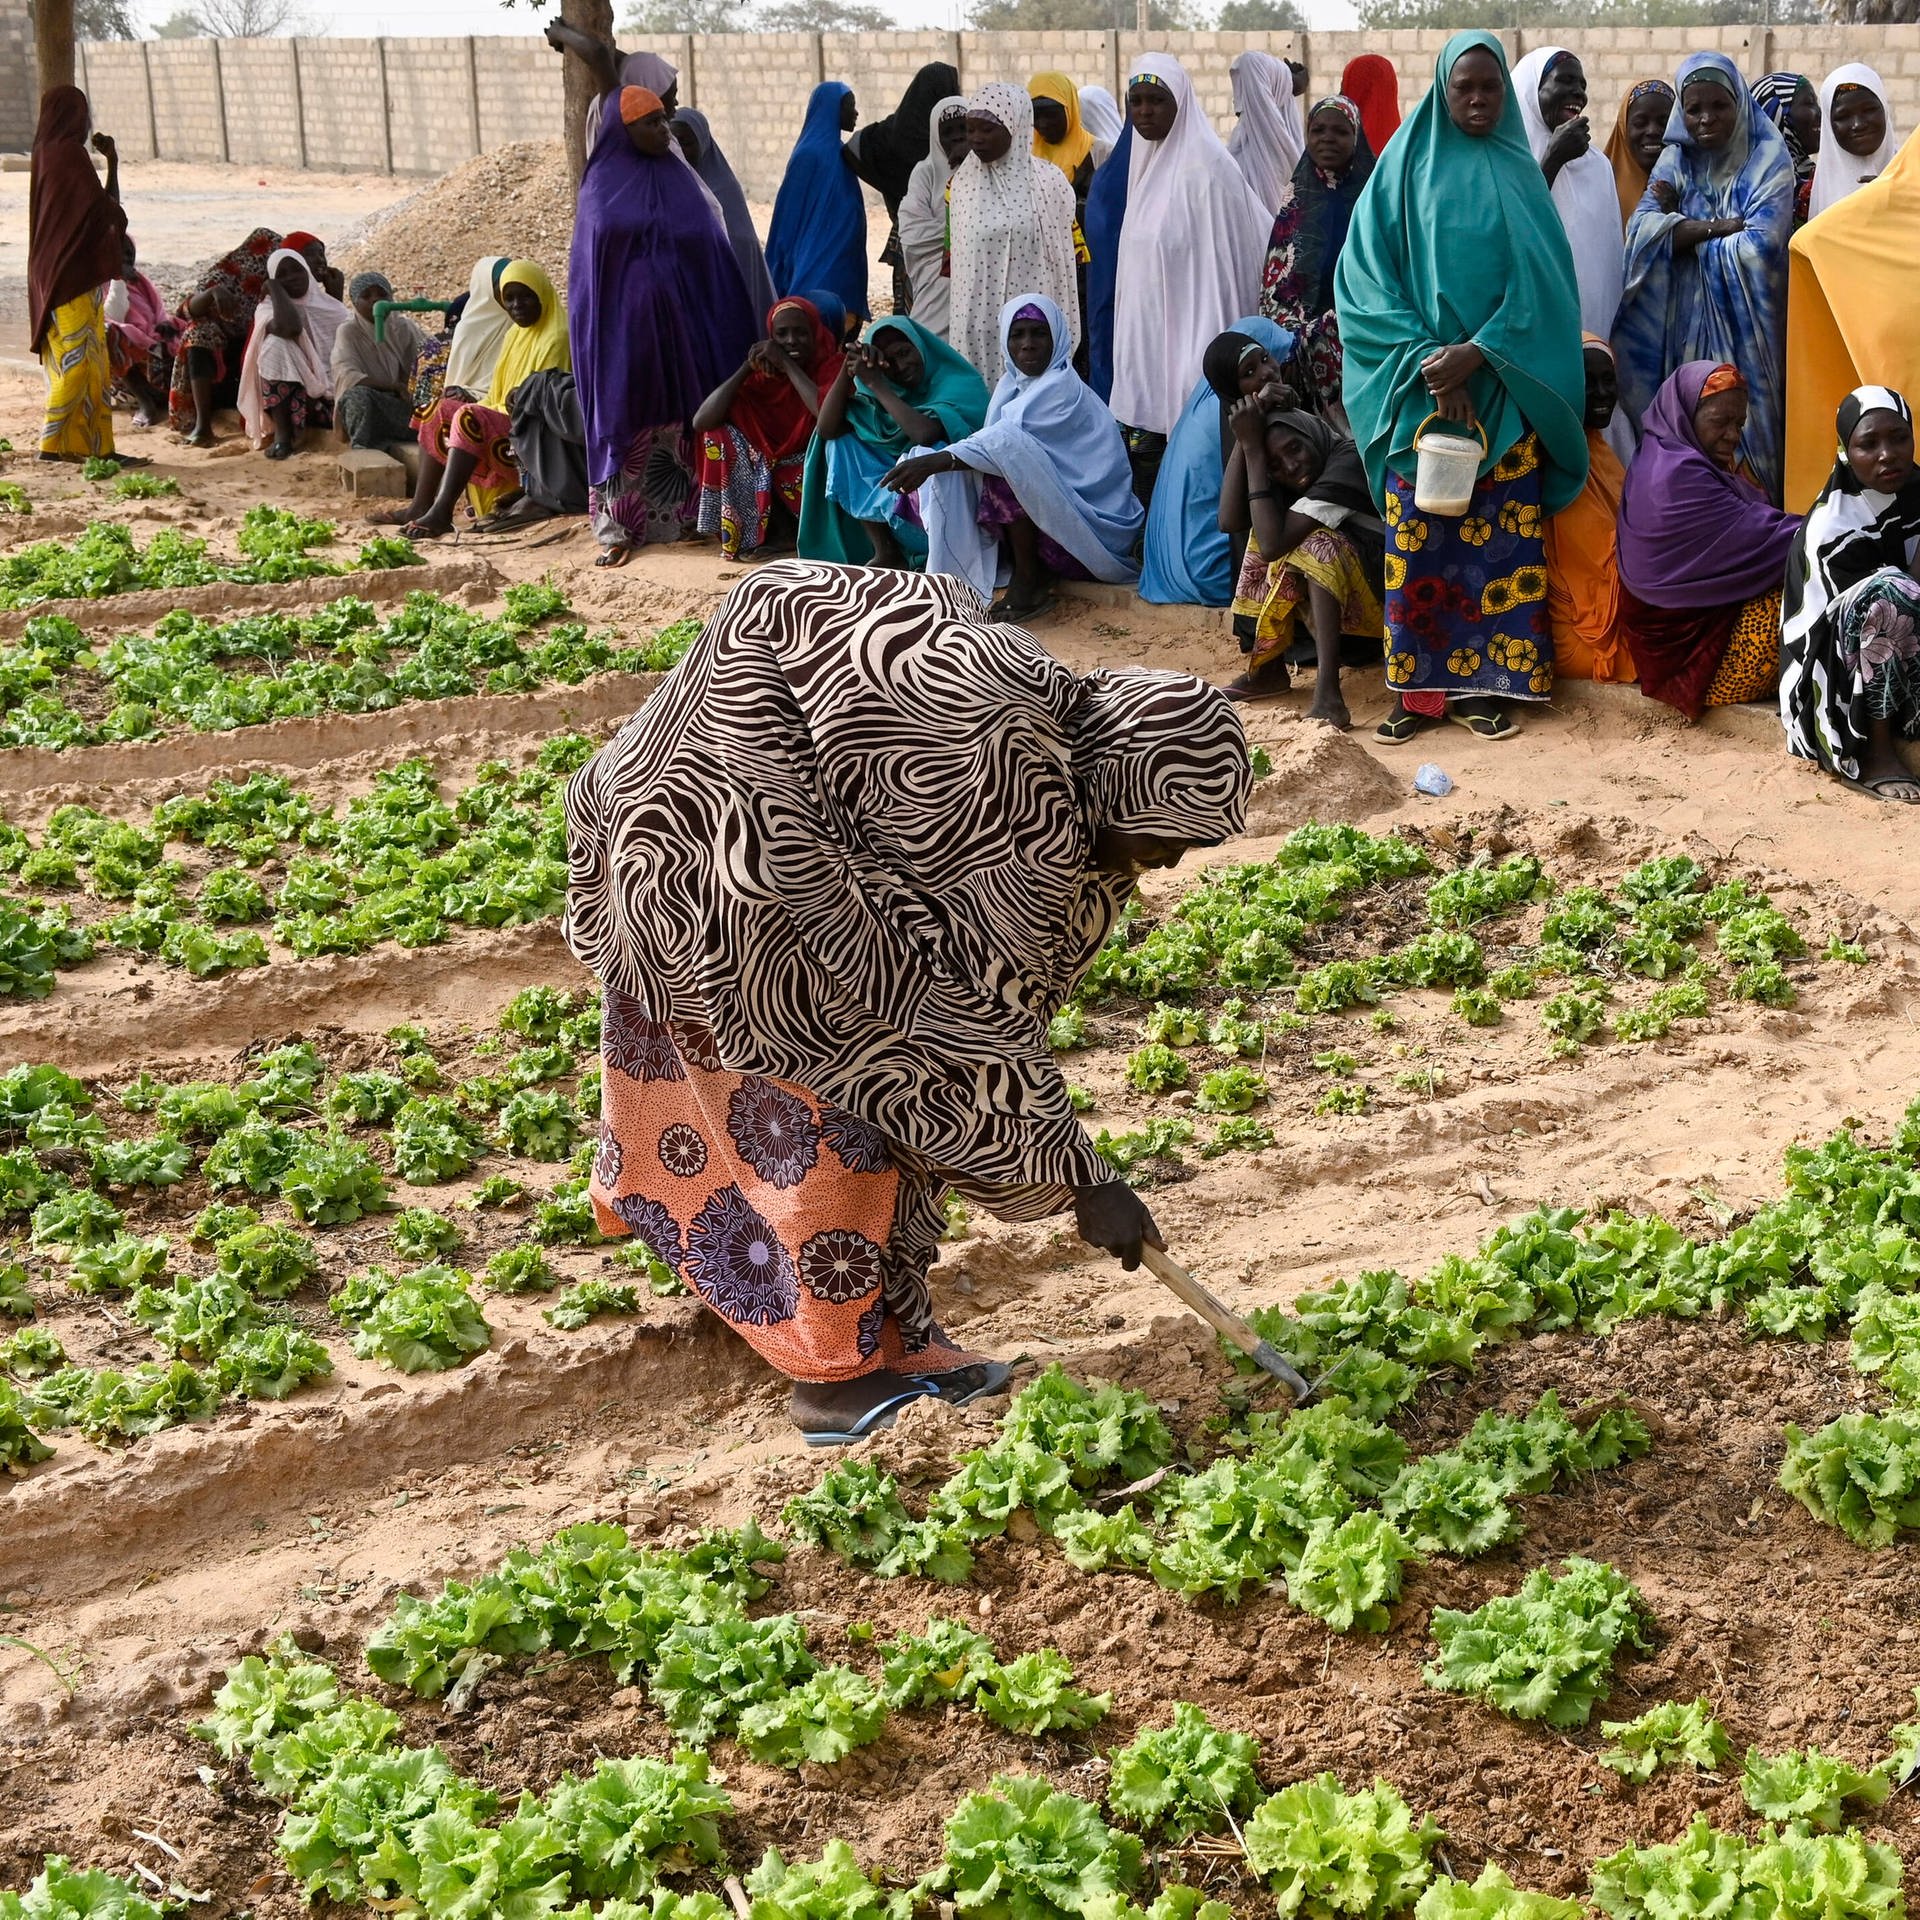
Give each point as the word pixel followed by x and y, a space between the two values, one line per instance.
pixel 1432 417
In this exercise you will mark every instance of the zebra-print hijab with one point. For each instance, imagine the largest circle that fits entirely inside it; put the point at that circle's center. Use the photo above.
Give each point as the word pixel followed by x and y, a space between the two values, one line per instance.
pixel 851 834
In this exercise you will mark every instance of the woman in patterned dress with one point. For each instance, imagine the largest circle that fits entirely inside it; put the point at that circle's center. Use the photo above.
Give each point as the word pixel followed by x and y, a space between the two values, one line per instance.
pixel 1457 302
pixel 1703 552
pixel 835 878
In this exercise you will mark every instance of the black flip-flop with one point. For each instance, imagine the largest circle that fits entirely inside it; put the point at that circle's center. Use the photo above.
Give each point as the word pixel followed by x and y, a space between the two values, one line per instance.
pixel 1398 728
pixel 962 1386
pixel 1485 726
pixel 1007 614
pixel 1878 788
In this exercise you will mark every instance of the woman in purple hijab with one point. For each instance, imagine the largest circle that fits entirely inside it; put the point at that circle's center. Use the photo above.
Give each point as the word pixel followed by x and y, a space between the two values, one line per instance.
pixel 659 317
pixel 1703 553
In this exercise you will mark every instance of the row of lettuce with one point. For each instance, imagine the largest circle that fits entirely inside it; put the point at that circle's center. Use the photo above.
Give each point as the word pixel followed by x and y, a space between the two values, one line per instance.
pixel 325 1145
pixel 58 689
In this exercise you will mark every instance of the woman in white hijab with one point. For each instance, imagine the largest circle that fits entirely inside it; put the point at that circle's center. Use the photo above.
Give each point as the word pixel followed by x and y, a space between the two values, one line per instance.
pixel 1192 248
pixel 1857 140
pixel 1552 90
pixel 481 332
pixel 923 215
pixel 1011 221
pixel 286 378
pixel 1269 135
pixel 1101 118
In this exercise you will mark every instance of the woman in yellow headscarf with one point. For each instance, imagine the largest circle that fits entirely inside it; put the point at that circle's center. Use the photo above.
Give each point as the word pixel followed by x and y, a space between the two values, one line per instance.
pixel 1850 313
pixel 467 444
pixel 1057 133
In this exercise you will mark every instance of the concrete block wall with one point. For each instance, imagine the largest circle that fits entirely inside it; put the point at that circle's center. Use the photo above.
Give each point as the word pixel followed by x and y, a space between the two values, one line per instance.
pixel 114 76
pixel 420 105
pixel 261 85
pixel 343 103
pixel 753 87
pixel 19 96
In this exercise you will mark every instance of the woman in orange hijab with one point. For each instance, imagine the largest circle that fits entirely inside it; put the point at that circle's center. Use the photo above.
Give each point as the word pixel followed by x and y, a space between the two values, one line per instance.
pixel 1583 570
pixel 1373 86
pixel 1639 132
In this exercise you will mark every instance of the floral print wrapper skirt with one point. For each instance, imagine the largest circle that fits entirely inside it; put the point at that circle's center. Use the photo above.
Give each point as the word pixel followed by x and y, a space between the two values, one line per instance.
pixel 789 1218
pixel 79 417
pixel 1467 598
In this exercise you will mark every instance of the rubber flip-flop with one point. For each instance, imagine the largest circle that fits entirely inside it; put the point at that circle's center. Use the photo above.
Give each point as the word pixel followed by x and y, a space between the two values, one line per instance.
pixel 993 1378
pixel 1246 689
pixel 1009 615
pixel 1485 726
pixel 876 1419
pixel 1398 728
pixel 1878 788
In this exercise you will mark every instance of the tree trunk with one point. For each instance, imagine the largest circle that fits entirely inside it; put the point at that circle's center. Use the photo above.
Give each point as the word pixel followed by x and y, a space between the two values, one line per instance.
pixel 581 83
pixel 53 42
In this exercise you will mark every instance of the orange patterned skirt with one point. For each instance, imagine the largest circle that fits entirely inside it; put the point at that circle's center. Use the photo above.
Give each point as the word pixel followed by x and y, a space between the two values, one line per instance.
pixel 788 1217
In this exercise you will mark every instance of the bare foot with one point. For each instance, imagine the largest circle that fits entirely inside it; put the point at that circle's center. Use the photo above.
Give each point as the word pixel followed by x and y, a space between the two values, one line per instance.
pixel 390 517
pixel 615 557
pixel 1328 705
pixel 1268 681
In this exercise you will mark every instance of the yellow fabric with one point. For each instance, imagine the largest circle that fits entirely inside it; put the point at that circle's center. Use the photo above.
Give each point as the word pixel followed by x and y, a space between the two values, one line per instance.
pixel 1629 176
pixel 1274 595
pixel 1750 667
pixel 530 349
pixel 1583 575
pixel 1850 314
pixel 79 421
pixel 1066 154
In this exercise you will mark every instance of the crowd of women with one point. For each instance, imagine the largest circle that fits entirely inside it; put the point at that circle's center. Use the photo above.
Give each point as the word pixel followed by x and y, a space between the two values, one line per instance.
pixel 1120 348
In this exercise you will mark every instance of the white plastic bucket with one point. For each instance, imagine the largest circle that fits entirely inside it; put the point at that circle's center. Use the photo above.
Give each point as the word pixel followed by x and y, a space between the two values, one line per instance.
pixel 1449 464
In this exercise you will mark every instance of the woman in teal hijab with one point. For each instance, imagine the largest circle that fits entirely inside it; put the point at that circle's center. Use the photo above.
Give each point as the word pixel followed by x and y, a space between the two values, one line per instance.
pixel 903 388
pixel 1456 297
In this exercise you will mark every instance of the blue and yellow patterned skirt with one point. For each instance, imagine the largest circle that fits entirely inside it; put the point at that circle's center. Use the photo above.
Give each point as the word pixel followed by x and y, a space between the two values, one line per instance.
pixel 1467 598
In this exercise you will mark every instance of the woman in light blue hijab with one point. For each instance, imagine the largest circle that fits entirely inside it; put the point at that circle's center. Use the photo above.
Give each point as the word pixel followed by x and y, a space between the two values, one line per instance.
pixel 1707 258
pixel 1187 560
pixel 1044 489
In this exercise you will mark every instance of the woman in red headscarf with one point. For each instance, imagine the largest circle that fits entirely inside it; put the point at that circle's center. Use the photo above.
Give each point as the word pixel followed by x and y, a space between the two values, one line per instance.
pixel 754 428
pixel 75 227
pixel 1373 86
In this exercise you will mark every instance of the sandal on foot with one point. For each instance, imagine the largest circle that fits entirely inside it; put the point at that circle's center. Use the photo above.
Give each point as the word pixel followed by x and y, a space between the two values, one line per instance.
pixel 1486 726
pixel 961 1386
pixel 1007 614
pixel 876 1419
pixel 1878 788
pixel 1398 728
pixel 1261 683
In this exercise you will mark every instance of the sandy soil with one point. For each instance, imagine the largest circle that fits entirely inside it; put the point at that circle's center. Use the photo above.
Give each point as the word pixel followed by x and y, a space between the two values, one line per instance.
pixel 142 1574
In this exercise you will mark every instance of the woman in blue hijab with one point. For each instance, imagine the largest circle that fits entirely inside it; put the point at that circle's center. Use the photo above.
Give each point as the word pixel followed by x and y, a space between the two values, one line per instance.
pixel 1106 213
pixel 1707 258
pixel 818 235
pixel 1187 559
pixel 1046 480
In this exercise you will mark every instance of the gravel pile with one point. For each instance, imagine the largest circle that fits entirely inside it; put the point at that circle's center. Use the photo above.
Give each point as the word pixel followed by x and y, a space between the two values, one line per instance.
pixel 514 200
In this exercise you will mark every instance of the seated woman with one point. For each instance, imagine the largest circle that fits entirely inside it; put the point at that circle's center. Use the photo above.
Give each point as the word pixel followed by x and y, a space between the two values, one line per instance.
pixel 313 250
pixel 1186 559
pixel 1850 639
pixel 902 388
pixel 373 374
pixel 754 430
pixel 286 378
pixel 138 331
pixel 215 323
pixel 1044 485
pixel 1703 552
pixel 1298 491
pixel 466 443
pixel 1583 569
